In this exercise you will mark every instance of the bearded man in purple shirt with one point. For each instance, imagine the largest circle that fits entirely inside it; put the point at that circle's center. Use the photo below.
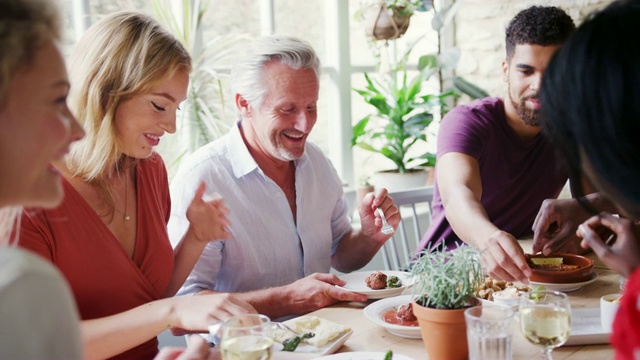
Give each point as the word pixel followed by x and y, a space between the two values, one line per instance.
pixel 494 167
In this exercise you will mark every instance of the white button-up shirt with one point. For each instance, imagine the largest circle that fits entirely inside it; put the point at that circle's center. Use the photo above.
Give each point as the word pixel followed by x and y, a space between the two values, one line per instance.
pixel 268 248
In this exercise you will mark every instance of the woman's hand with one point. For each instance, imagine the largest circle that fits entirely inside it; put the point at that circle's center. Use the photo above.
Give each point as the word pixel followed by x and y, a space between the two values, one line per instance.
pixel 195 313
pixel 623 256
pixel 554 229
pixel 208 219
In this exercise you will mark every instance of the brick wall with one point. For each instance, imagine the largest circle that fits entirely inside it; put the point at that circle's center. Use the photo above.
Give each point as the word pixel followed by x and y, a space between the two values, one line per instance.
pixel 479 33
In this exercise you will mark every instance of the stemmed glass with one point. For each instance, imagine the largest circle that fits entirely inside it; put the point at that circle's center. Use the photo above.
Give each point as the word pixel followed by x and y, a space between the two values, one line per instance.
pixel 246 337
pixel 545 319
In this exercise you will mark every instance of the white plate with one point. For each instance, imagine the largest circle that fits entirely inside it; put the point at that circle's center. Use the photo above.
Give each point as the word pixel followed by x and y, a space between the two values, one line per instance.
pixel 586 327
pixel 306 351
pixel 361 355
pixel 356 283
pixel 375 310
pixel 565 287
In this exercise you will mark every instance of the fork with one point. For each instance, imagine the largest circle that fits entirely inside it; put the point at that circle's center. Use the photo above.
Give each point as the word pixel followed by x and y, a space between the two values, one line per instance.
pixel 386 228
pixel 214 337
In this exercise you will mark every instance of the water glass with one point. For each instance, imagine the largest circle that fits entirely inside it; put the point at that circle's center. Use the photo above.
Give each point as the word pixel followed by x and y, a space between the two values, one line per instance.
pixel 246 337
pixel 489 330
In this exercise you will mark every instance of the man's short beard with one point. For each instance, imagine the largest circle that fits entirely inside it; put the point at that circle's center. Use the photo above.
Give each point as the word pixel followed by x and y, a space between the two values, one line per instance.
pixel 528 116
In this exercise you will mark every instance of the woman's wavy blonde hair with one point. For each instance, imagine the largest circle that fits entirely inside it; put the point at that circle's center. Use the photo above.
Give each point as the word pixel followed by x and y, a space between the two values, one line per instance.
pixel 25 26
pixel 122 55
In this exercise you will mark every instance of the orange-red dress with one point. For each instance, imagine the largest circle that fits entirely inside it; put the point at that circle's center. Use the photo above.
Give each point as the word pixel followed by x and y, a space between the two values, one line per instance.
pixel 626 325
pixel 104 280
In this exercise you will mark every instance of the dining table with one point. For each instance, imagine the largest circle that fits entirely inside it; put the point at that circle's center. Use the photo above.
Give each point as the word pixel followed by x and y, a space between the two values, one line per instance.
pixel 368 336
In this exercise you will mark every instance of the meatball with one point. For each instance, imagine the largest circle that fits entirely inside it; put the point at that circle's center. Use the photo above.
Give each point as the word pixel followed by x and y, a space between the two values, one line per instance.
pixel 376 281
pixel 405 312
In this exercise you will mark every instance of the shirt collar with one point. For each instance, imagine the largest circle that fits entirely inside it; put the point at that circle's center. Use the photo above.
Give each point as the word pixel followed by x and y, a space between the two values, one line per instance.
pixel 241 160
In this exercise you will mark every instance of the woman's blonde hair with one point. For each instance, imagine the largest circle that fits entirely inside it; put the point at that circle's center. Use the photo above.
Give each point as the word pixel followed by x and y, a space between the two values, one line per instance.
pixel 25 26
pixel 122 55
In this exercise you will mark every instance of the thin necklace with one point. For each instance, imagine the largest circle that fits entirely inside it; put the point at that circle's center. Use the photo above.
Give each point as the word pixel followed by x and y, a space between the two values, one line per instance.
pixel 126 216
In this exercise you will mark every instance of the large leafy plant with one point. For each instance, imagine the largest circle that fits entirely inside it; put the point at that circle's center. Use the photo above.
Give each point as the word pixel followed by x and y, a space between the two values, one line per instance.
pixel 402 114
pixel 446 279
pixel 402 110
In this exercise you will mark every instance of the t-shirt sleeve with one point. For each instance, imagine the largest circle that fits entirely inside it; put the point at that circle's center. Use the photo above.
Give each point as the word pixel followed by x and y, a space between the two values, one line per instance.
pixel 35 234
pixel 460 131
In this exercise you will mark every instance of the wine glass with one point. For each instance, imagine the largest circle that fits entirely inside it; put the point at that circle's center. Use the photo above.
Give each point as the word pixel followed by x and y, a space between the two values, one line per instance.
pixel 545 319
pixel 246 337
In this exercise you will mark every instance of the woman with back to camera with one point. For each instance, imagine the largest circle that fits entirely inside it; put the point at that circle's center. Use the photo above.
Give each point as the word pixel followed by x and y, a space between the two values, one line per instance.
pixel 590 109
pixel 38 317
pixel 109 236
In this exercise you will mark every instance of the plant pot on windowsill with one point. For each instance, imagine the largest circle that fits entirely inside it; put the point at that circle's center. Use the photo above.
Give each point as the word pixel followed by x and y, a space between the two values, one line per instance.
pixel 444 286
pixel 393 180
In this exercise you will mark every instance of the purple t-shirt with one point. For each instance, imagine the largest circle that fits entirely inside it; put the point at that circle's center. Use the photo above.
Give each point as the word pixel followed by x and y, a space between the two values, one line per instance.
pixel 517 175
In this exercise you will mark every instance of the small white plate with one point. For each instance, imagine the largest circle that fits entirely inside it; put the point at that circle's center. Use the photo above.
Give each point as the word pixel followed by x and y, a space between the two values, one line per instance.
pixel 361 355
pixel 374 312
pixel 356 283
pixel 306 351
pixel 568 287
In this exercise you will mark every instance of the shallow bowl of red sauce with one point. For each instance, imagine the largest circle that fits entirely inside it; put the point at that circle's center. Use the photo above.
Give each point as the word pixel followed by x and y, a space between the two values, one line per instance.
pixel 575 269
pixel 383 313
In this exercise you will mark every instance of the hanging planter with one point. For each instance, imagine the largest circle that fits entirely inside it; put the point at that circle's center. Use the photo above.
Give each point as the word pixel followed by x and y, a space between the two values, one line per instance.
pixel 383 23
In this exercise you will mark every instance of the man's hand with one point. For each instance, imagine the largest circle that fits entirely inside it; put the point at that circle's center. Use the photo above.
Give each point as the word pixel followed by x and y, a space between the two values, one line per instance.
pixel 371 222
pixel 623 256
pixel 208 219
pixel 317 291
pixel 554 230
pixel 504 259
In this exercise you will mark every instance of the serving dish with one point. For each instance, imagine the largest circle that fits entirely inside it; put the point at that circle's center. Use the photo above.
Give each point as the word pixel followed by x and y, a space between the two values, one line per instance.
pixel 374 312
pixel 566 287
pixel 356 283
pixel 306 351
pixel 582 273
pixel 362 355
pixel 586 327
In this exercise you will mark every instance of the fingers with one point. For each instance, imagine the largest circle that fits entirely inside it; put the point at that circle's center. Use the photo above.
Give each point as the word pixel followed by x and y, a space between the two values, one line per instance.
pixel 345 295
pixel 197 349
pixel 504 259
pixel 328 278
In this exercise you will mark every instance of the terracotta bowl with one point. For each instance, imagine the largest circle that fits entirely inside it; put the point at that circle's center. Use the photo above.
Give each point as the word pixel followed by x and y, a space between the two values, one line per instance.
pixel 583 273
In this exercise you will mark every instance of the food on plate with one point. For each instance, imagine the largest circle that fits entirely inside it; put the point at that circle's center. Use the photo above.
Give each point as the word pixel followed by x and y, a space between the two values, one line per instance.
pixel 388 355
pixel 560 268
pixel 550 263
pixel 376 281
pixel 324 330
pixel 393 282
pixel 491 288
pixel 379 280
pixel 291 344
pixel 402 315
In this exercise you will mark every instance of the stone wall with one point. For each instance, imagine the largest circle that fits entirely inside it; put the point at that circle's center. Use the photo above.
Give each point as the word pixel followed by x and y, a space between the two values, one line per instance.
pixel 479 33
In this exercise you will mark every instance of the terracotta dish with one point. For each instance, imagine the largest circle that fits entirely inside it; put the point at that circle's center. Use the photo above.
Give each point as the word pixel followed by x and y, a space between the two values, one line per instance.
pixel 578 269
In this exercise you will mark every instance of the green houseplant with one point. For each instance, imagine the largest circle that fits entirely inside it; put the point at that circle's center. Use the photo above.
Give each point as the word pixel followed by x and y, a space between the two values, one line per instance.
pixel 444 285
pixel 401 114
pixel 389 19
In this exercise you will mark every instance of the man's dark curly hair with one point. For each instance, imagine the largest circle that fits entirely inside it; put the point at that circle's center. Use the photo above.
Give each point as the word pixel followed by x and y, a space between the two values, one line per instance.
pixel 538 25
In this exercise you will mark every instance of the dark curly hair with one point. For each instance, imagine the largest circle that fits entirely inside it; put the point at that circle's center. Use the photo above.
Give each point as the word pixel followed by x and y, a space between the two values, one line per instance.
pixel 539 25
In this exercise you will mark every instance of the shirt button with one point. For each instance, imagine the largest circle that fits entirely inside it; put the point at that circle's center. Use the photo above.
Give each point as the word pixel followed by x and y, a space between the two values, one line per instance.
pixel 278 194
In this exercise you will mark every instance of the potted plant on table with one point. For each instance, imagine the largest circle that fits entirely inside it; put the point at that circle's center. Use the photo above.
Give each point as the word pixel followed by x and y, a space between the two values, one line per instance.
pixel 444 287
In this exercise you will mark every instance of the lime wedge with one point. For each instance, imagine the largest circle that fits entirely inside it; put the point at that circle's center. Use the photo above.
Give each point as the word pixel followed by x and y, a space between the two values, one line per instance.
pixel 546 261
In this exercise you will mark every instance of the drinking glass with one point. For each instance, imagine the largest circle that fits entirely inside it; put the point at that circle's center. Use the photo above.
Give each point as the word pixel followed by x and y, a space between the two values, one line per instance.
pixel 489 332
pixel 246 337
pixel 545 319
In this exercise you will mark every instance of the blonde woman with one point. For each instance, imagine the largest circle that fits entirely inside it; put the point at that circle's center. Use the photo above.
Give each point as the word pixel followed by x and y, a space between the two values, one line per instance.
pixel 109 236
pixel 38 318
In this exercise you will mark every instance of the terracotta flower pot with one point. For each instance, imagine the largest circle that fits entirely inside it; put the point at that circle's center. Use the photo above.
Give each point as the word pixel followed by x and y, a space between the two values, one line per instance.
pixel 444 332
